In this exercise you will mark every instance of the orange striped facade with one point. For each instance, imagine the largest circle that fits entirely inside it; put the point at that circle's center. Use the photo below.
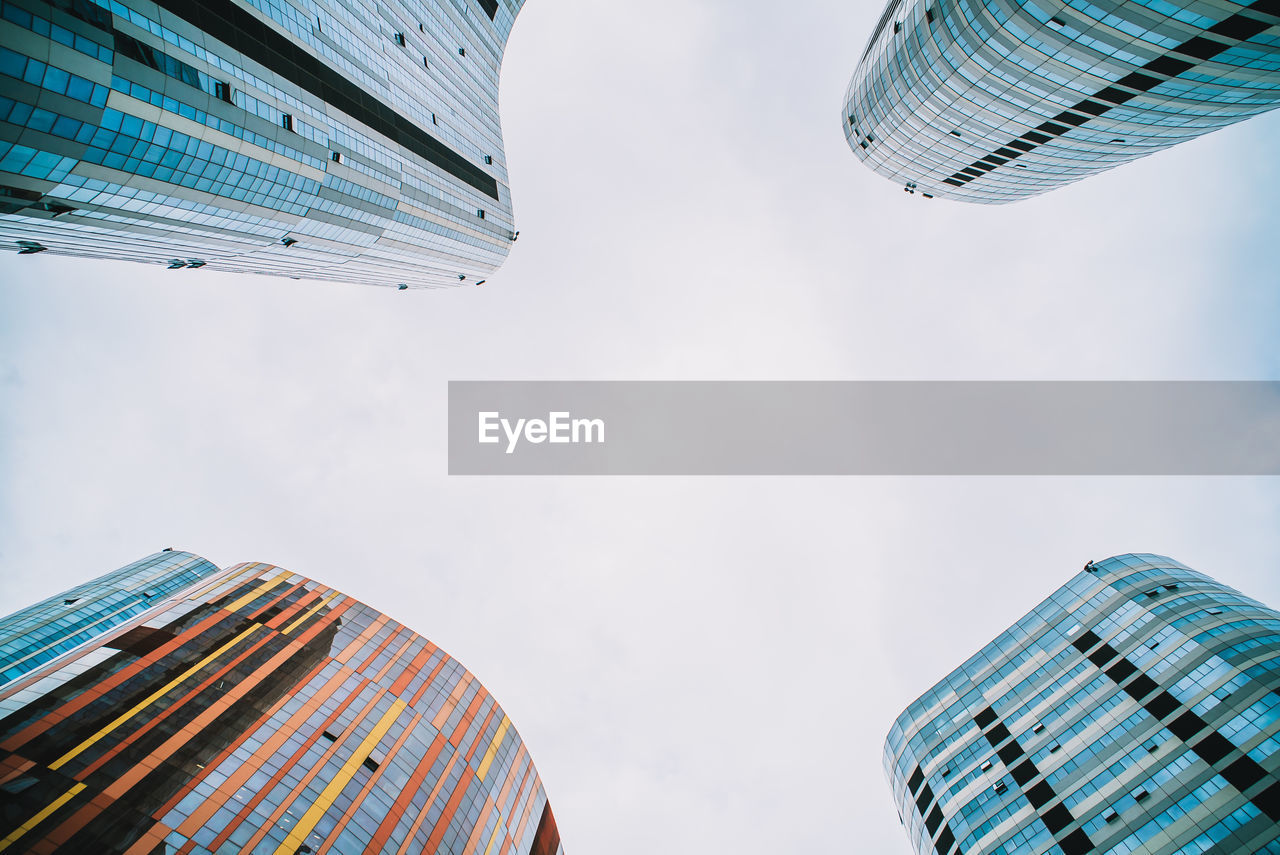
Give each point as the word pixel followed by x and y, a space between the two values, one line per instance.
pixel 259 711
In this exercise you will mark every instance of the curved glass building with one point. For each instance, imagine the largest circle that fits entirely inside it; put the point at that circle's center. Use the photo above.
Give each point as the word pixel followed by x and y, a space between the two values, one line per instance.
pixel 1136 710
pixel 309 138
pixel 998 101
pixel 255 710
pixel 38 634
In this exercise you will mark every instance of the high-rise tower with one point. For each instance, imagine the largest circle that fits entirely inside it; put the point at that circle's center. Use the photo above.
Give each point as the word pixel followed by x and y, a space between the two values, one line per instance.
pixel 995 102
pixel 310 138
pixel 1136 710
pixel 37 634
pixel 254 710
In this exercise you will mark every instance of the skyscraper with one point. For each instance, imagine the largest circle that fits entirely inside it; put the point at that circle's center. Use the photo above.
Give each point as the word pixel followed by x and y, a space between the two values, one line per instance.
pixel 257 710
pixel 37 634
pixel 310 138
pixel 1136 710
pixel 1001 101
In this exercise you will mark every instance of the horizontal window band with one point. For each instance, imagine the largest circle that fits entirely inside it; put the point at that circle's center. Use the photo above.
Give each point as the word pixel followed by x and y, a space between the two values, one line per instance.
pixel 242 31
pixel 1239 28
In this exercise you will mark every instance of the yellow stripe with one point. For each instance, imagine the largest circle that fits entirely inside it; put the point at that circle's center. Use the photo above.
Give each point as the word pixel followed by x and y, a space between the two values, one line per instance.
pixel 153 697
pixel 298 835
pixel 220 580
pixel 493 838
pixel 257 592
pixel 493 748
pixel 309 612
pixel 40 817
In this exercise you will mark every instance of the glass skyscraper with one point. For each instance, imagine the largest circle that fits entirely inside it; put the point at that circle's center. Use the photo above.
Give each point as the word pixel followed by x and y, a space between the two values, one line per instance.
pixel 310 138
pixel 998 101
pixel 255 710
pixel 37 634
pixel 1136 710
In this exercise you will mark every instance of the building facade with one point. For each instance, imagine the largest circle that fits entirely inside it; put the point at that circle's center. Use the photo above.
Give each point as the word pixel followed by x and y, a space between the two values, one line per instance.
pixel 255 710
pixel 997 101
pixel 38 634
pixel 319 139
pixel 1136 710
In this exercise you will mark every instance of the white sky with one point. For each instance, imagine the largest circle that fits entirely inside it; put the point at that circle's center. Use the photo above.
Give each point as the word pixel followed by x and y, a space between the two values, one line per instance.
pixel 698 665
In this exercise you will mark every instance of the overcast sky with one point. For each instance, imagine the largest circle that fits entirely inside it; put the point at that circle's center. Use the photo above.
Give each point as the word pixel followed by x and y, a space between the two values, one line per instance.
pixel 697 665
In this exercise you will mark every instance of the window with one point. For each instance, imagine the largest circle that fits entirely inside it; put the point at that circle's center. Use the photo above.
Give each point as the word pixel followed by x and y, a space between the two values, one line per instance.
pixel 399 37
pixel 222 91
pixel 286 122
pixel 480 213
pixel 335 156
pixel 488 158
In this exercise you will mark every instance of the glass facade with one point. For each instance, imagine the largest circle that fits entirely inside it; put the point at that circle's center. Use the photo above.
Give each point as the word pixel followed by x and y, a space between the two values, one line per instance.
pixel 38 634
pixel 310 138
pixel 997 100
pixel 1136 710
pixel 259 711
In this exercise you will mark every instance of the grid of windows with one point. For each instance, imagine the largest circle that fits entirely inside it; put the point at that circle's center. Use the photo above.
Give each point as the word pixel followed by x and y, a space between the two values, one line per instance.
pixel 40 633
pixel 993 101
pixel 334 140
pixel 259 711
pixel 1136 710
